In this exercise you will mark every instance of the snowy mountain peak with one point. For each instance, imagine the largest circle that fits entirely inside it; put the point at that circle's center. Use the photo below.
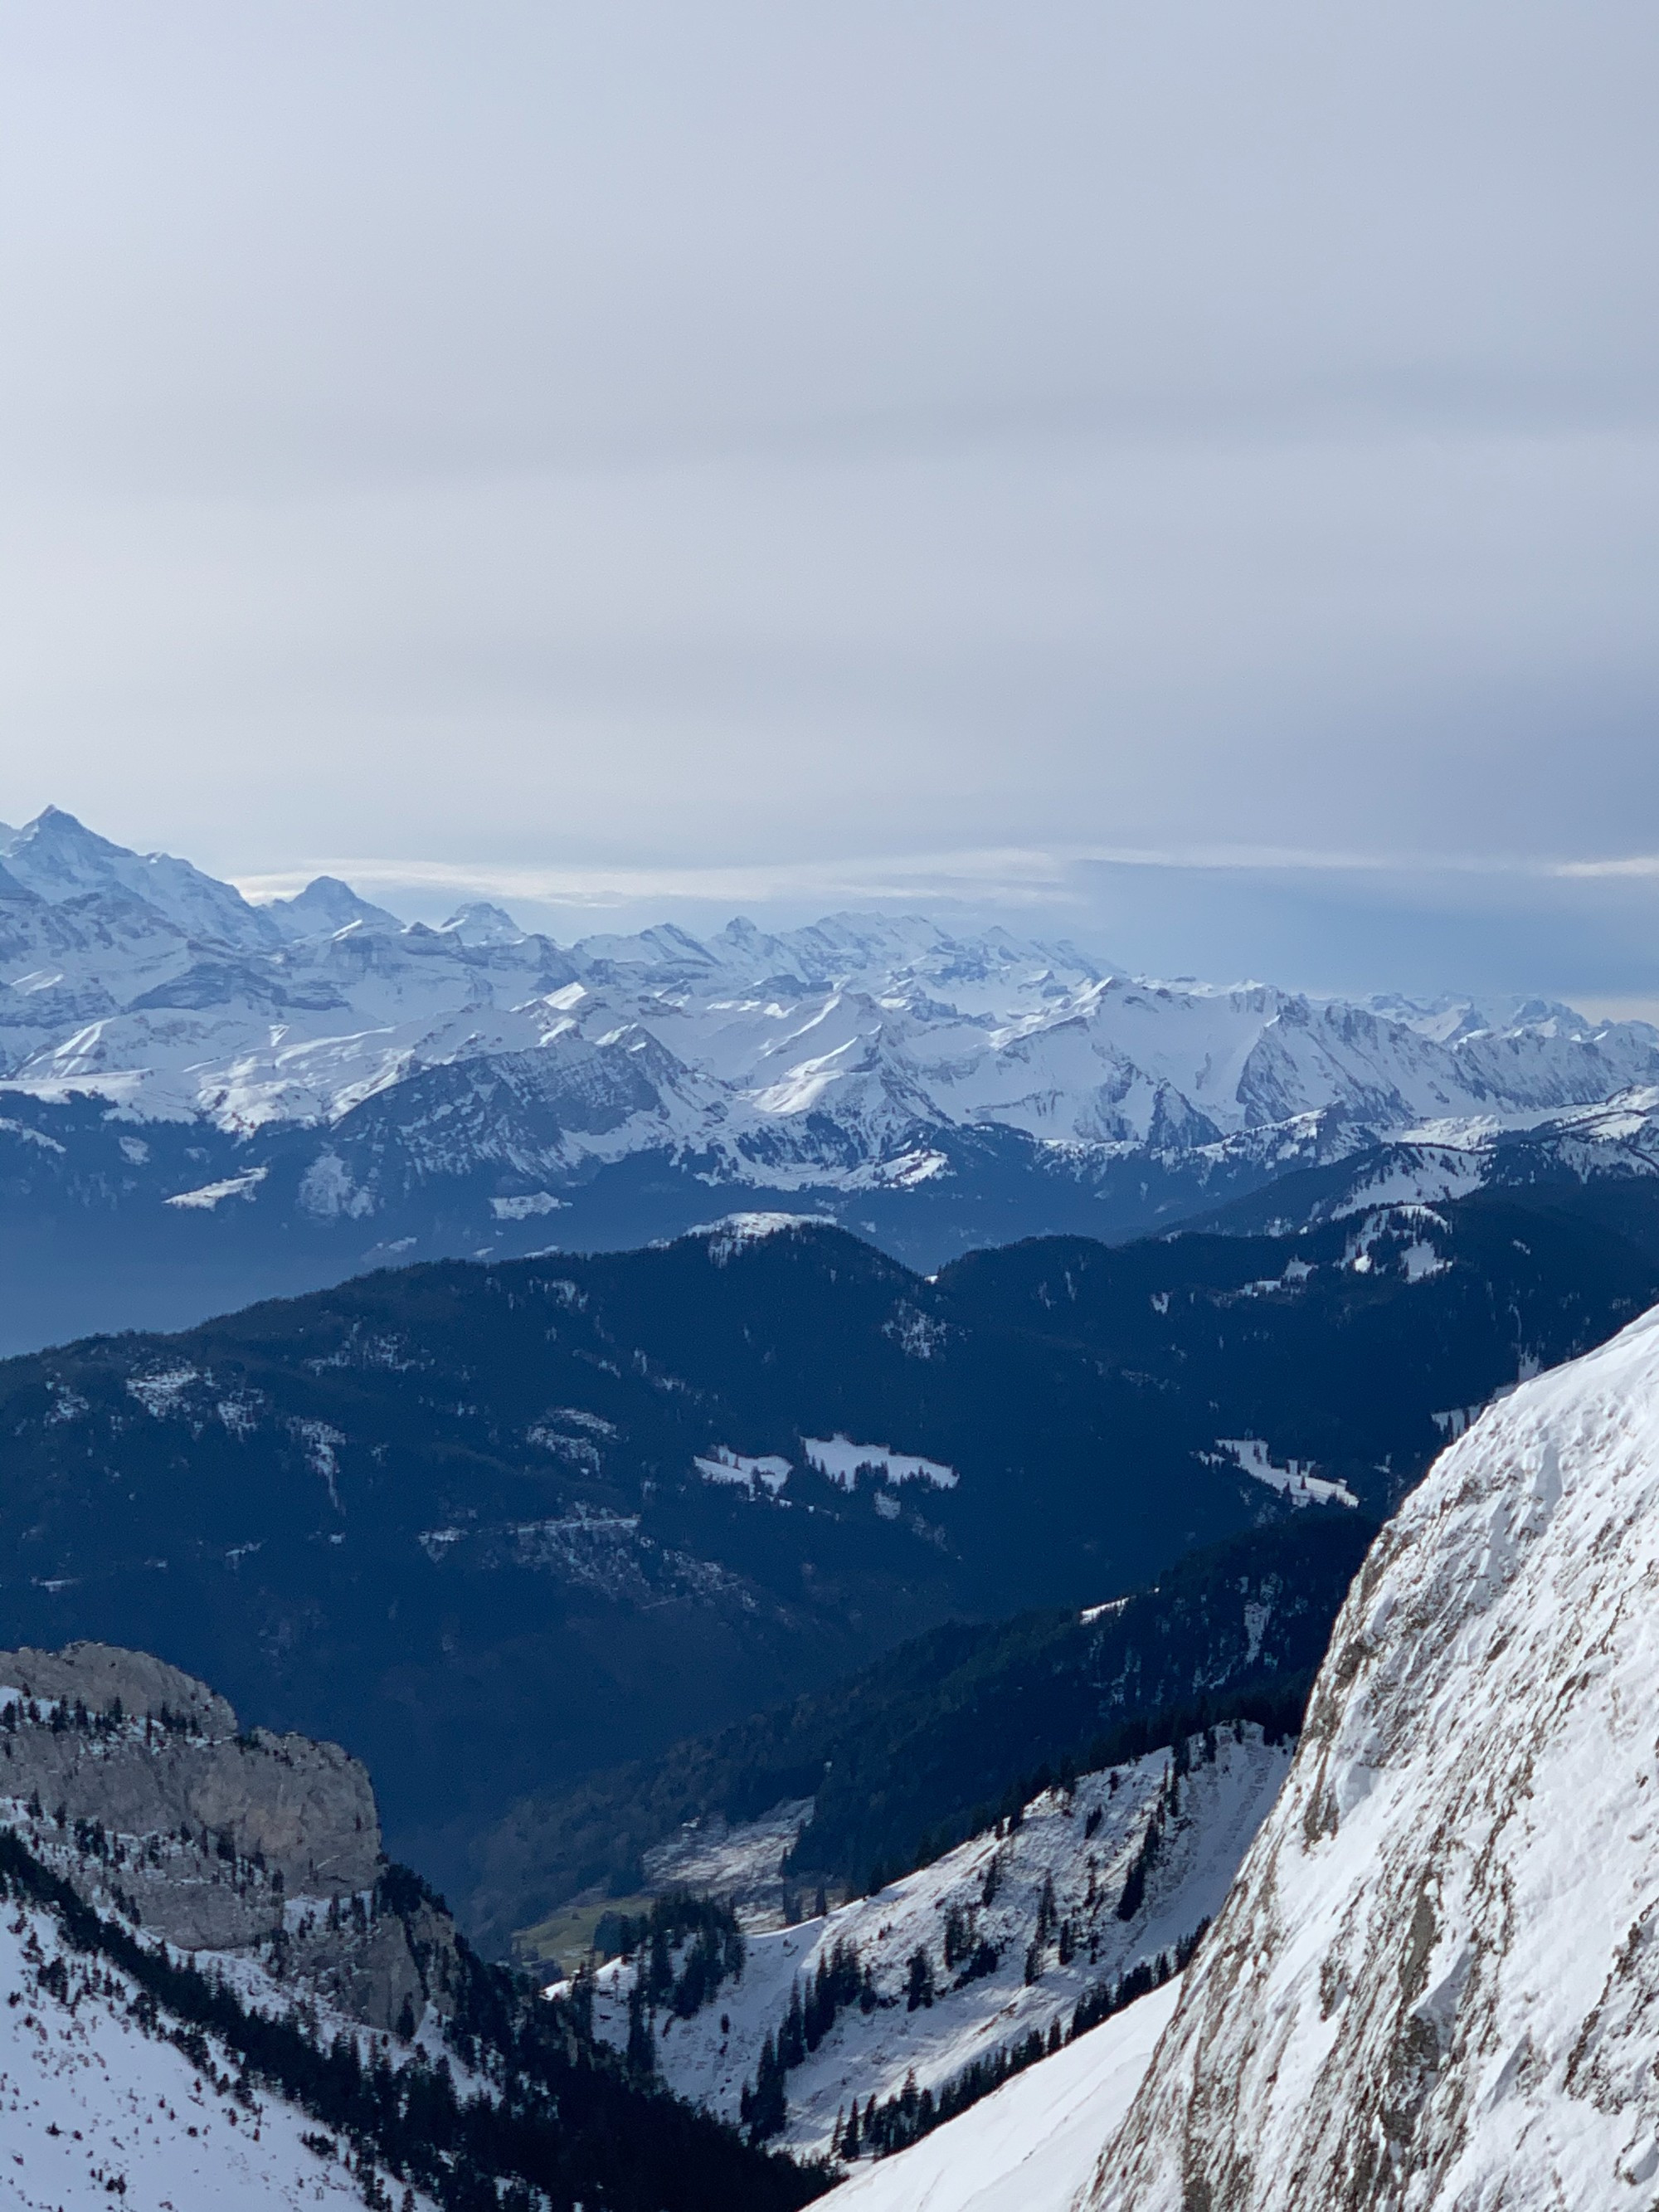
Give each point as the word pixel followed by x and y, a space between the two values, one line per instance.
pixel 482 923
pixel 325 906
pixel 56 857
pixel 1436 1981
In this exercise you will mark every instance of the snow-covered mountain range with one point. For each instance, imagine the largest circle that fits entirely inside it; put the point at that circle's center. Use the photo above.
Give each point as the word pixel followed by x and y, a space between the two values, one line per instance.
pixel 1434 1983
pixel 140 979
pixel 275 1095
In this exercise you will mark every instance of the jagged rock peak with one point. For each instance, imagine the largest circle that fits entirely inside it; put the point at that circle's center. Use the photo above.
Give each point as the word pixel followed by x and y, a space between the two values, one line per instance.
pixel 1436 1981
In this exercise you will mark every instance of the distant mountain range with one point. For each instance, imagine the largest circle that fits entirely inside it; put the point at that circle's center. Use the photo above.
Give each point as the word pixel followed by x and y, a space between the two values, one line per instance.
pixel 203 1101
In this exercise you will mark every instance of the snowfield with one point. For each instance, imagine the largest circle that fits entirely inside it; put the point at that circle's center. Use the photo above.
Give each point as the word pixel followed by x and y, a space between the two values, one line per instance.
pixel 94 2112
pixel 1436 1983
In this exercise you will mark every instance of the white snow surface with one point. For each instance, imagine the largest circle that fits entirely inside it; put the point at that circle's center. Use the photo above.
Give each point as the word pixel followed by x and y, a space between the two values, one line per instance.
pixel 823 1056
pixel 1218 1807
pixel 1294 1479
pixel 1032 2144
pixel 1436 1983
pixel 843 1461
pixel 770 1472
pixel 88 2101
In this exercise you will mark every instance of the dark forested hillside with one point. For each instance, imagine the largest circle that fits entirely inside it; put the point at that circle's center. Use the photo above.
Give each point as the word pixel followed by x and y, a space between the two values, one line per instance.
pixel 951 1729
pixel 495 1528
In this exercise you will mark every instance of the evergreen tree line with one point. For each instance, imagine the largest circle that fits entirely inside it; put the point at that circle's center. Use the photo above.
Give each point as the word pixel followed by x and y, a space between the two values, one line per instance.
pixel 562 2123
pixel 716 1950
pixel 839 1982
pixel 892 2124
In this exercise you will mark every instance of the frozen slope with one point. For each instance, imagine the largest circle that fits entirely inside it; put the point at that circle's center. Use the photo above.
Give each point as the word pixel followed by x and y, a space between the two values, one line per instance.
pixel 1033 2144
pixel 93 2111
pixel 1436 1983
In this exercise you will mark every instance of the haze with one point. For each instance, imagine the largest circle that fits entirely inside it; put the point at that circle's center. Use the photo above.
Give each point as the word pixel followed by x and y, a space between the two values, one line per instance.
pixel 1183 476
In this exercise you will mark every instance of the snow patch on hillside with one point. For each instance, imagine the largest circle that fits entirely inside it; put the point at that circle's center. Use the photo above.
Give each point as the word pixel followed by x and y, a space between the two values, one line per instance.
pixel 1295 1480
pixel 769 1473
pixel 843 1461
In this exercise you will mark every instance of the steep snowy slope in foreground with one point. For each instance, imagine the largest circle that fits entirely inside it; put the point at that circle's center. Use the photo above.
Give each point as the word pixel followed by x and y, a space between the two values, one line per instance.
pixel 1032 2145
pixel 1436 1983
pixel 93 2112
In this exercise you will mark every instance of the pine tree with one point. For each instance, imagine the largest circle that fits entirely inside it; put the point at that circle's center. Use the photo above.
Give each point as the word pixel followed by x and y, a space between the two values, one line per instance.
pixel 792 2039
pixel 641 2042
pixel 919 1981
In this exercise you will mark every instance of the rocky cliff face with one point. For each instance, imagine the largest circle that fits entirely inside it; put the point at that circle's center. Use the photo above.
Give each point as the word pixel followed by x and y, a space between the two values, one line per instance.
pixel 1436 1983
pixel 133 1780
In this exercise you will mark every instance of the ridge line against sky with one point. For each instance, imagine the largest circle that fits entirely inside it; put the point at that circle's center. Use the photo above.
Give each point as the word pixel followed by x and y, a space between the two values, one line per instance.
pixel 1205 898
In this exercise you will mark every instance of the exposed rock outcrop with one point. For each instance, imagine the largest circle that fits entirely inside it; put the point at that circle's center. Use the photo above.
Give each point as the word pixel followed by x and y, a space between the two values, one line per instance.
pixel 135 1782
pixel 1436 1982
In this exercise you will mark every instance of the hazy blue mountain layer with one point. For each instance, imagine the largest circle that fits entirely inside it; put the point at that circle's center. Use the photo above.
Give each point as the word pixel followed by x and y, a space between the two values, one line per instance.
pixel 494 1528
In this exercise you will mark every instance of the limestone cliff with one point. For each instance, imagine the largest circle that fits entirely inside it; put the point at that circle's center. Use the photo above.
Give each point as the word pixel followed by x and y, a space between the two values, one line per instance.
pixel 134 1781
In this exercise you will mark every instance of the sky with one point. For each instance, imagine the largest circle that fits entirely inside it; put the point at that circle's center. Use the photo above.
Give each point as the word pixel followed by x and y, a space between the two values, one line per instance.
pixel 1183 476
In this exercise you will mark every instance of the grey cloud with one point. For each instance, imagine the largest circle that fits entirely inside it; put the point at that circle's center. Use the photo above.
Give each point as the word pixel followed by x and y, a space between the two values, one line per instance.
pixel 657 439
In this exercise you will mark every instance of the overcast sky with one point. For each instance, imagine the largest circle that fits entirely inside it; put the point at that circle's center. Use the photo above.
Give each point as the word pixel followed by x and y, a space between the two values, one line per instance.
pixel 1183 474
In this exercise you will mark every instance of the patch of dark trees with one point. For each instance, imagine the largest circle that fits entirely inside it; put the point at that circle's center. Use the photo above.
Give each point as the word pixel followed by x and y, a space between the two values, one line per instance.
pixel 561 2121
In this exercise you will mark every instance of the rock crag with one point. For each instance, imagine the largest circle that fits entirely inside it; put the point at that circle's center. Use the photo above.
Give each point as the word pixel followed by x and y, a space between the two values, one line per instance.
pixel 135 1783
pixel 1436 1981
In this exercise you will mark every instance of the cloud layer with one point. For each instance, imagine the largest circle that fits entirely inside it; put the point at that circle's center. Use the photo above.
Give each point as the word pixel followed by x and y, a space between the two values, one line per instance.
pixel 658 450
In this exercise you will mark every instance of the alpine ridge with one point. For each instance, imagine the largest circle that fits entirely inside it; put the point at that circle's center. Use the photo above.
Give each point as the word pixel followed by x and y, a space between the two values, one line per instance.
pixel 203 1101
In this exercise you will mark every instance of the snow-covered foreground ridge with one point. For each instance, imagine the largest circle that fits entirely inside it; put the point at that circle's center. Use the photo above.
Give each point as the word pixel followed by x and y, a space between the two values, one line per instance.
pixel 100 2106
pixel 1436 1982
pixel 142 980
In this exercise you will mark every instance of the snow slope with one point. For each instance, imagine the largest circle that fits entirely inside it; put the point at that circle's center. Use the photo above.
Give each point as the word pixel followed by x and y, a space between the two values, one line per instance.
pixel 1032 2145
pixel 95 2111
pixel 1203 1819
pixel 1436 1983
